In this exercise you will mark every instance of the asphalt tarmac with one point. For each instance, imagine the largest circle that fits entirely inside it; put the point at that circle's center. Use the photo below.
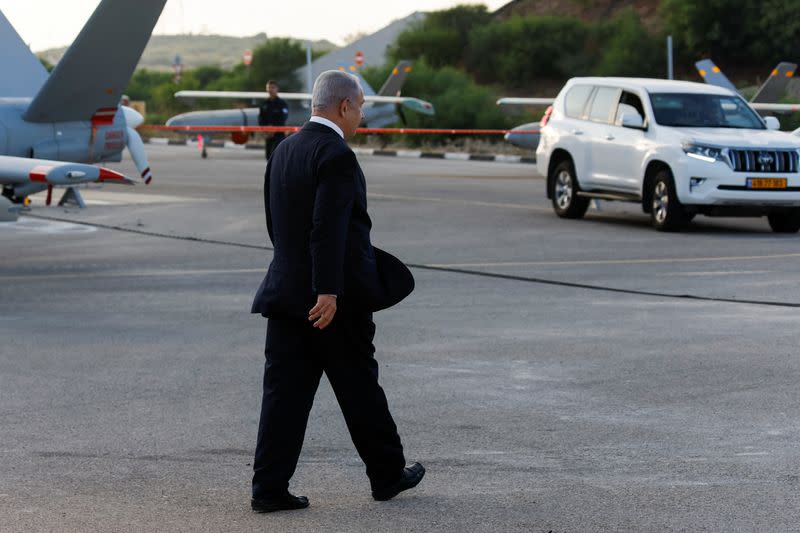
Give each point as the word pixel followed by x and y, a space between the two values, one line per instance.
pixel 552 375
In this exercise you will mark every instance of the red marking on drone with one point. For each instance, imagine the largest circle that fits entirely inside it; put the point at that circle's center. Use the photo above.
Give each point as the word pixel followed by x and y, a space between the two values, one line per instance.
pixel 39 174
pixel 104 116
pixel 110 175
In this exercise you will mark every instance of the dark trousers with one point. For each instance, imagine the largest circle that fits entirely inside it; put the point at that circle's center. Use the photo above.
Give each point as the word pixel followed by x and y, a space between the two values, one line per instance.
pixel 272 143
pixel 296 356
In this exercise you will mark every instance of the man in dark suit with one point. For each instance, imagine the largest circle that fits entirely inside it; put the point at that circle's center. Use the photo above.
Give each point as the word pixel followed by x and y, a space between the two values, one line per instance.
pixel 323 284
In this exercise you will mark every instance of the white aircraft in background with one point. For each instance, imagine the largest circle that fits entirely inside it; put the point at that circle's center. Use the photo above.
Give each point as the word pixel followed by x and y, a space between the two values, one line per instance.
pixel 380 110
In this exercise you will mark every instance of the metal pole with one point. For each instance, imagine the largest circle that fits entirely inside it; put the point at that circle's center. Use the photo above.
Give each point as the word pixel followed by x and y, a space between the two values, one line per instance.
pixel 309 81
pixel 669 58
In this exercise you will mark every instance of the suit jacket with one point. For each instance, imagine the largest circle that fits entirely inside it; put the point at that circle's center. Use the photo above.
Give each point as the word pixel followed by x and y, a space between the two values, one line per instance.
pixel 315 198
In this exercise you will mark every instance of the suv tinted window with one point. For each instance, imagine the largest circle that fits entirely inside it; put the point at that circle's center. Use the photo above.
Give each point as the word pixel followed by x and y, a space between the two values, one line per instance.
pixel 704 111
pixel 605 99
pixel 576 100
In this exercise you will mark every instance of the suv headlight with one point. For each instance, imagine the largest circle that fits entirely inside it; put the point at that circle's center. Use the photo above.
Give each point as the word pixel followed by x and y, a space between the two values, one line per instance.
pixel 709 154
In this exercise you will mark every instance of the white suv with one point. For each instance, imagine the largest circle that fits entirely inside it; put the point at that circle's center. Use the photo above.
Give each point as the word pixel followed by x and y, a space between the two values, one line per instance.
pixel 678 148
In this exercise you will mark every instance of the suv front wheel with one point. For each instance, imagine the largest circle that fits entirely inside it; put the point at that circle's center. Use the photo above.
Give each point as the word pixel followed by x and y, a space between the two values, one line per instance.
pixel 785 222
pixel 566 202
pixel 666 211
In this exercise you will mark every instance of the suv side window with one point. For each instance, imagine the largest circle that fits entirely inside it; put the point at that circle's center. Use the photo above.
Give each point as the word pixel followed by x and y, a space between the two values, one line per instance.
pixel 626 102
pixel 605 100
pixel 576 100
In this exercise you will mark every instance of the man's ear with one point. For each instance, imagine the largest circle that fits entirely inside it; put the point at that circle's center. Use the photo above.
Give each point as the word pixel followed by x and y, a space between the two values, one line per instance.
pixel 343 108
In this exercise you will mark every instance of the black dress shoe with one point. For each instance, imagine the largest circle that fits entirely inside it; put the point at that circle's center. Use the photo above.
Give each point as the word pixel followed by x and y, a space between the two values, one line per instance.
pixel 411 477
pixel 287 502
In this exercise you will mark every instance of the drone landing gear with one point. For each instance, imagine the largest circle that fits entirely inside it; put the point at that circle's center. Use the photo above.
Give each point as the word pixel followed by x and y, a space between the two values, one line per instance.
pixel 72 197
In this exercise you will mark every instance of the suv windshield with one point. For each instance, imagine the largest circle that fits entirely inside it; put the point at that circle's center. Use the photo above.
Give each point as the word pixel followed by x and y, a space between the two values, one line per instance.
pixel 704 111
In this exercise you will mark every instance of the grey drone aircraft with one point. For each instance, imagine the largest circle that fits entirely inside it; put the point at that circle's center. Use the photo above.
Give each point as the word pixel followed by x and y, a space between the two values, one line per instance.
pixel 54 128
pixel 769 92
pixel 380 110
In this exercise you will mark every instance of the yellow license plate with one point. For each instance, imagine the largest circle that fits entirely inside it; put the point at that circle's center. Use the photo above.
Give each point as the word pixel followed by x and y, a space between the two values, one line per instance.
pixel 766 183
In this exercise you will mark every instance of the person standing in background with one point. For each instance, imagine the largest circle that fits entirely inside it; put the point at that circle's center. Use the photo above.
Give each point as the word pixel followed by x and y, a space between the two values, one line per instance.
pixel 273 112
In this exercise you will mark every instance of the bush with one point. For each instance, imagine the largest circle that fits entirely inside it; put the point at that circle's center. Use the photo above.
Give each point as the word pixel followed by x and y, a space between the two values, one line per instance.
pixel 459 101
pixel 726 30
pixel 629 50
pixel 277 59
pixel 440 39
pixel 520 50
pixel 779 25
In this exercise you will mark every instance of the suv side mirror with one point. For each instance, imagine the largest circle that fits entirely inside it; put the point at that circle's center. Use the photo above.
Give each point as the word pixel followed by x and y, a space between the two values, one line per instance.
pixel 772 123
pixel 631 120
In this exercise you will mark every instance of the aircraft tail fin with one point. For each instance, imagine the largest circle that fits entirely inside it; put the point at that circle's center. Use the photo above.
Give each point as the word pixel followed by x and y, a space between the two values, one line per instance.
pixel 397 78
pixel 97 68
pixel 352 69
pixel 772 89
pixel 392 85
pixel 713 75
pixel 28 73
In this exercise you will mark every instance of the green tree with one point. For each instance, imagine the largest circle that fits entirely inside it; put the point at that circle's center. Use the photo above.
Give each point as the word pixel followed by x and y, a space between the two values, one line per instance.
pixel 458 100
pixel 144 82
pixel 207 75
pixel 521 50
pixel 277 59
pixel 440 39
pixel 727 30
pixel 629 50
pixel 235 79
pixel 779 26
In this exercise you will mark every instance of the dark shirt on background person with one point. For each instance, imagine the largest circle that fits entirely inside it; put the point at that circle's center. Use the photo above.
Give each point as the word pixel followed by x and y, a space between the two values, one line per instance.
pixel 273 112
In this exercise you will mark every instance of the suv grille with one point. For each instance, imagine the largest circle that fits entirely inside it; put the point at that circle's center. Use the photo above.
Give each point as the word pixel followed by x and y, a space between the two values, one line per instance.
pixel 784 161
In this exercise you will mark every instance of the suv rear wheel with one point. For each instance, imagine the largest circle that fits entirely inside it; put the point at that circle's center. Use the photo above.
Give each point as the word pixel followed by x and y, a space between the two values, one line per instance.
pixel 666 211
pixel 785 221
pixel 566 202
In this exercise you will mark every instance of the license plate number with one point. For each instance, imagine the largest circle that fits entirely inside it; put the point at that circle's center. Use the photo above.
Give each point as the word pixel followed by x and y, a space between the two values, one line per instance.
pixel 766 183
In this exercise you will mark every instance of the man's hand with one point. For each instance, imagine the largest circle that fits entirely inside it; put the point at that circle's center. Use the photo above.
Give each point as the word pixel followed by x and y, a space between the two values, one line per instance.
pixel 322 314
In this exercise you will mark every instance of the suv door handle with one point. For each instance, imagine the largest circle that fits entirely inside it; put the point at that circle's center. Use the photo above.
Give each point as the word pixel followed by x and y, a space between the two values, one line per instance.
pixel 577 132
pixel 609 137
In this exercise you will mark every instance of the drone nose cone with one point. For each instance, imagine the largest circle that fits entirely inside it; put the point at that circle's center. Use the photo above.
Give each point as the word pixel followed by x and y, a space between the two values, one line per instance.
pixel 133 118
pixel 184 119
pixel 523 140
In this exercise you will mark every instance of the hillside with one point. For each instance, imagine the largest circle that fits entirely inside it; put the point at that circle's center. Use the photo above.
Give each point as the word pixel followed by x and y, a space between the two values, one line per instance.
pixel 196 50
pixel 582 9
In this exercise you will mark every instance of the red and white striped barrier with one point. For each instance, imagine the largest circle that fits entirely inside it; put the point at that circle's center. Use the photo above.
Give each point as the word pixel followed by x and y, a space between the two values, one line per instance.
pixel 378 131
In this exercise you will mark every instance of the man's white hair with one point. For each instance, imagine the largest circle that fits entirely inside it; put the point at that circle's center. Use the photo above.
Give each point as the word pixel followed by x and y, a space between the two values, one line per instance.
pixel 333 86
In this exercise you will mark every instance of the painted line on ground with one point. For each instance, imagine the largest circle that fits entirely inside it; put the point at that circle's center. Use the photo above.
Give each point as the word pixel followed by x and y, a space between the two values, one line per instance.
pixel 717 273
pixel 132 274
pixel 477 273
pixel 617 261
pixel 454 201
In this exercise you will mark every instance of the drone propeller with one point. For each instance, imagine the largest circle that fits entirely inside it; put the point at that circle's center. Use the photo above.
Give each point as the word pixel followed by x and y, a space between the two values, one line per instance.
pixel 134 119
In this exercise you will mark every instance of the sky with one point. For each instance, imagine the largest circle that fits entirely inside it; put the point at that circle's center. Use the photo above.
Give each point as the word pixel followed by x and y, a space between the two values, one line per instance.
pixel 47 24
